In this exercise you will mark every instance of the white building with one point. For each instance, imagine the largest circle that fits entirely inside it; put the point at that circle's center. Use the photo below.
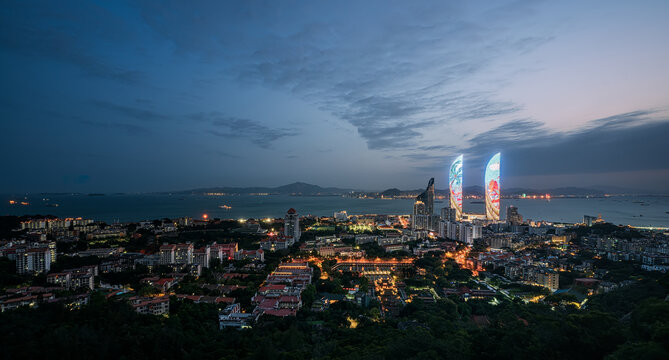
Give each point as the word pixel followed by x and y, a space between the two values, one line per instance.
pixel 341 216
pixel 33 261
pixel 184 254
pixel 469 233
pixel 167 254
pixel 202 256
pixel 291 227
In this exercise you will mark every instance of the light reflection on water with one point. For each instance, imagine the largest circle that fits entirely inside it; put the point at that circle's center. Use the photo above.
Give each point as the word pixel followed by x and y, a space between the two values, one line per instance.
pixel 638 211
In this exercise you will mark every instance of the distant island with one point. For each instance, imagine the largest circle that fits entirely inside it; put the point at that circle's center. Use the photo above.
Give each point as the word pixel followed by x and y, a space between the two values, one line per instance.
pixel 305 189
pixel 296 188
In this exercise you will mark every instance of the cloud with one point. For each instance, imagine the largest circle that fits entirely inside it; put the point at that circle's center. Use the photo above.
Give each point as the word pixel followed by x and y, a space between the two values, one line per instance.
pixel 395 76
pixel 234 127
pixel 623 142
pixel 60 34
pixel 214 122
pixel 437 147
pixel 391 136
pixel 221 153
pixel 629 119
pixel 130 129
pixel 513 133
pixel 134 112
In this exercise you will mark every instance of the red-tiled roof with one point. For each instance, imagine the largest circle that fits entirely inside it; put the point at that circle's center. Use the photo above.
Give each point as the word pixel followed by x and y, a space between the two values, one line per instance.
pixel 266 303
pixel 271 287
pixel 281 312
pixel 227 300
pixel 163 281
pixel 289 299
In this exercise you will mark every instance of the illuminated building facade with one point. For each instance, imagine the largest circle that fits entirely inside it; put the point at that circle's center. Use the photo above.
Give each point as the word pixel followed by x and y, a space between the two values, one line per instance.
pixel 291 227
pixel 492 189
pixel 455 186
pixel 427 197
pixel 423 209
pixel 33 260
pixel 419 220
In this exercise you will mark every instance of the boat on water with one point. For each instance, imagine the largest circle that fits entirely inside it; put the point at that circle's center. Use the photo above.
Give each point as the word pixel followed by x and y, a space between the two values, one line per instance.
pixel 225 207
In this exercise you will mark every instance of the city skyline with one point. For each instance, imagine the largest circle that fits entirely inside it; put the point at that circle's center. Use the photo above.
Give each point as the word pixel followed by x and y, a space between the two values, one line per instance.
pixel 334 180
pixel 349 95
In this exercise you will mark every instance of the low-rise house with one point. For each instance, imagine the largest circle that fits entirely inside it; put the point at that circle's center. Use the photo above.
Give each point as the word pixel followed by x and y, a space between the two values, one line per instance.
pixel 250 254
pixel 151 305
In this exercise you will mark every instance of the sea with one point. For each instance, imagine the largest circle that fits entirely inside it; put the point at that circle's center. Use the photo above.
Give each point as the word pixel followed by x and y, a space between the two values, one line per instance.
pixel 641 211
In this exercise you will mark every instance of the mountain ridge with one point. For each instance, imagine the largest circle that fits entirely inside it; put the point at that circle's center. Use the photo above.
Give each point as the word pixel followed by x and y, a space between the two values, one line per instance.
pixel 302 188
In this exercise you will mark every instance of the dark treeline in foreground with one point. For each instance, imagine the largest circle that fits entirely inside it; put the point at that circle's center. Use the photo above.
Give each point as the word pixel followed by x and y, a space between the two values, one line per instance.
pixel 629 323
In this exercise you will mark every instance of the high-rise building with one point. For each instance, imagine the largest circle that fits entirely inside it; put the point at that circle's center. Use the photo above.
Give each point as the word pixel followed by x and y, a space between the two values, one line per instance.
pixel 52 251
pixel 492 189
pixel 202 256
pixel 448 214
pixel 549 279
pixel 469 232
pixel 291 226
pixel 33 260
pixel 444 229
pixel 427 197
pixel 512 215
pixel 420 219
pixel 167 252
pixel 455 187
pixel 223 251
pixel 423 209
pixel 588 220
pixel 184 254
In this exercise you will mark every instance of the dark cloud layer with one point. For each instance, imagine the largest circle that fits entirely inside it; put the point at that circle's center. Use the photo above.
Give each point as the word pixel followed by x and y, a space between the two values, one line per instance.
pixel 312 84
pixel 393 83
pixel 235 128
pixel 22 30
pixel 628 142
pixel 623 142
pixel 131 112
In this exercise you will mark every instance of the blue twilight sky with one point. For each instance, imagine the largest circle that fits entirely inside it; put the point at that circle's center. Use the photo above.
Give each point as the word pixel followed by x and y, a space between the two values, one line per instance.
pixel 168 95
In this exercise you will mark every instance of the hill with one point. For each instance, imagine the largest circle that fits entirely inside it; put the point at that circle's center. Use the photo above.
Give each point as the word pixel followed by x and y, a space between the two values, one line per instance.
pixel 296 188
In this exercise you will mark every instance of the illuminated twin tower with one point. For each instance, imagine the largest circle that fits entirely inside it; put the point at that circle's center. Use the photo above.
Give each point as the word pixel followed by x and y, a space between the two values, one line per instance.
pixel 492 194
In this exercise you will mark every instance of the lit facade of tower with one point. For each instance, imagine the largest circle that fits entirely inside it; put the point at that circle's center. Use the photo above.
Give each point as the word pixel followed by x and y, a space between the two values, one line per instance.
pixel 291 226
pixel 423 210
pixel 427 197
pixel 492 188
pixel 455 186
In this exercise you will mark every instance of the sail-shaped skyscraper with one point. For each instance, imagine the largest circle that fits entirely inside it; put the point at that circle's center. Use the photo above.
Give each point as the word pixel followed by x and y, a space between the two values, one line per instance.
pixel 455 187
pixel 492 189
pixel 423 209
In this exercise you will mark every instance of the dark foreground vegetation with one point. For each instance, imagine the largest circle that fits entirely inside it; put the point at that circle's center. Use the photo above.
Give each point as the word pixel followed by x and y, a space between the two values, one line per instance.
pixel 629 323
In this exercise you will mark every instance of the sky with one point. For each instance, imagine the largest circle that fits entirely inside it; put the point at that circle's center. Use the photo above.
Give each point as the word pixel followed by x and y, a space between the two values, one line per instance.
pixel 141 96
